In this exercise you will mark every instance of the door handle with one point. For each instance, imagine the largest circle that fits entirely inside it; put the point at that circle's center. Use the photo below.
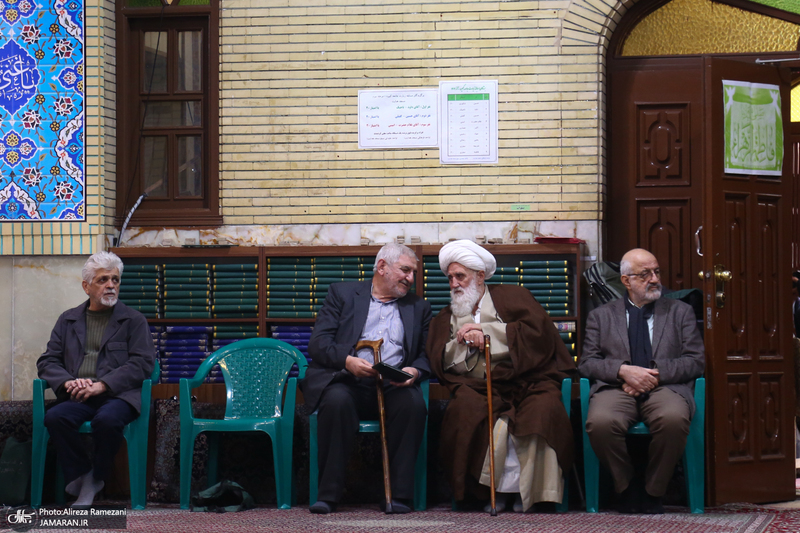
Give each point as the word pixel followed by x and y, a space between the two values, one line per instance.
pixel 721 276
pixel 697 240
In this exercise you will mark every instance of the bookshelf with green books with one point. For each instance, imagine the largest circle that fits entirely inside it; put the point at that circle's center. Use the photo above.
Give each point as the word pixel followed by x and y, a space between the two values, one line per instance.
pixel 276 291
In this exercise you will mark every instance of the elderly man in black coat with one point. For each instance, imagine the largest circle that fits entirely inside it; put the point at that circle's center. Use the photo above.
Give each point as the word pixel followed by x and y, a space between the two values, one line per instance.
pixel 340 381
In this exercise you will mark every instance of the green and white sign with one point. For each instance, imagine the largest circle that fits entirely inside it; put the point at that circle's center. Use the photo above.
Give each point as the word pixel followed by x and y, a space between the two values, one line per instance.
pixel 753 128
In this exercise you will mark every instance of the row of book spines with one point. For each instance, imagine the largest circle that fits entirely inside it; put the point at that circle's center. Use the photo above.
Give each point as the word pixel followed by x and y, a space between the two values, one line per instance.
pixel 272 277
pixel 204 301
pixel 507 271
pixel 432 263
pixel 277 291
pixel 204 314
pixel 205 285
pixel 220 267
pixel 208 379
pixel 203 329
pixel 197 307
pixel 306 268
pixel 229 267
pixel 188 278
pixel 552 312
pixel 503 278
pixel 285 305
pixel 219 335
pixel 321 263
pixel 537 293
pixel 229 328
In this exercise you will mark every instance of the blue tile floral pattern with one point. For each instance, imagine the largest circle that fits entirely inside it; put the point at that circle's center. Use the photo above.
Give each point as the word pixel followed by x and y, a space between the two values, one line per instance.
pixel 42 94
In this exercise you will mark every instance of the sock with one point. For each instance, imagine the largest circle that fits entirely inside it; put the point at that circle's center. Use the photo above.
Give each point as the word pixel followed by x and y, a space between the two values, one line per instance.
pixel 89 489
pixel 73 488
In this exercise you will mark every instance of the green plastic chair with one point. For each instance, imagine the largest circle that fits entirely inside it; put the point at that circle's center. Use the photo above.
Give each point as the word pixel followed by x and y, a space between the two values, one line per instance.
pixel 135 434
pixel 373 426
pixel 693 454
pixel 255 372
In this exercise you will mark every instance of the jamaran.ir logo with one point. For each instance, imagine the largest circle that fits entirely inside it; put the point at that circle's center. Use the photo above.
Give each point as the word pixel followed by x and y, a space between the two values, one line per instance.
pixel 21 518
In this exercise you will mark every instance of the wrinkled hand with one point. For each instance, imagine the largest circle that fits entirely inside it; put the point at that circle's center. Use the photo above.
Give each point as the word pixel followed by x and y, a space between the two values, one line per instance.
pixel 359 367
pixel 74 385
pixel 94 389
pixel 471 335
pixel 627 389
pixel 414 373
pixel 639 379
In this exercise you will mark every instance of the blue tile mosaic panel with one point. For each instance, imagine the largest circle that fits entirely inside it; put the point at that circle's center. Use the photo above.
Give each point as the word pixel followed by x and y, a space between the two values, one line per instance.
pixel 42 93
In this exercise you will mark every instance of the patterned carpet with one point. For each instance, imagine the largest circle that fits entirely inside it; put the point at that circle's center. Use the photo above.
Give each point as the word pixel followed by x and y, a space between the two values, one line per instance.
pixel 355 519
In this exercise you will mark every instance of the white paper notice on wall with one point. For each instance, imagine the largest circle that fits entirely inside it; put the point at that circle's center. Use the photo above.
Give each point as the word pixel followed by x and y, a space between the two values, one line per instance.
pixel 468 118
pixel 405 118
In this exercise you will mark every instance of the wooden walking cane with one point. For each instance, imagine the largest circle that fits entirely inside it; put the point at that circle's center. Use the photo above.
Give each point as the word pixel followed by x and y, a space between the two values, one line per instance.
pixel 487 345
pixel 387 484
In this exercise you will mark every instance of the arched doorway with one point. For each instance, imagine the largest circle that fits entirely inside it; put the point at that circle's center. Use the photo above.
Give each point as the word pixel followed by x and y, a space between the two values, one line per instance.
pixel 668 191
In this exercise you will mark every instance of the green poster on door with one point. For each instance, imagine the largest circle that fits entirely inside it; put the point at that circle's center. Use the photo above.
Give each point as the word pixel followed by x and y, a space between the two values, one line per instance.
pixel 753 128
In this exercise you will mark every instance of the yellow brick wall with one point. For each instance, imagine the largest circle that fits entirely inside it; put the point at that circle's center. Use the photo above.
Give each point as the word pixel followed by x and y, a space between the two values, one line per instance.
pixel 290 75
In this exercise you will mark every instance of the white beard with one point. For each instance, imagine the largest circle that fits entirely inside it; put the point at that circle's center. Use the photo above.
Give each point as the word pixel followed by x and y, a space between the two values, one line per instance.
pixel 109 300
pixel 651 296
pixel 463 302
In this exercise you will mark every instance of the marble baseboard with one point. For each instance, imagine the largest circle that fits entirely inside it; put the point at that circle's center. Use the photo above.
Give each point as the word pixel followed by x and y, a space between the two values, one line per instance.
pixel 356 234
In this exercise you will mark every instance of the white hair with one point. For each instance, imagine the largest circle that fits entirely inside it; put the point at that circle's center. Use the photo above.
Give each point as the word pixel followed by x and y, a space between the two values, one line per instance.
pixel 391 254
pixel 625 267
pixel 101 261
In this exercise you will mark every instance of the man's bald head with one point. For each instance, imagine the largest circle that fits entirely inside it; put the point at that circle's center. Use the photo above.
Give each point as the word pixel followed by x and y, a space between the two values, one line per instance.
pixel 641 276
pixel 633 259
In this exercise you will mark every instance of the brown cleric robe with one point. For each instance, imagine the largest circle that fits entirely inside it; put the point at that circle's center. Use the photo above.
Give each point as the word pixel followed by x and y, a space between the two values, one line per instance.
pixel 526 389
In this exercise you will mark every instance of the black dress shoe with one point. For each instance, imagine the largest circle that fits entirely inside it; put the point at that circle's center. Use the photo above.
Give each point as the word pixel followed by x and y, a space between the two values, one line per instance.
pixel 543 507
pixel 651 504
pixel 398 507
pixel 629 500
pixel 322 507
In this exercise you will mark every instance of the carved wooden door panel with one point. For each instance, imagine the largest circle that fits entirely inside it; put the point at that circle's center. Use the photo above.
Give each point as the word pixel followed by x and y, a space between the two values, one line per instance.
pixel 655 139
pixel 748 335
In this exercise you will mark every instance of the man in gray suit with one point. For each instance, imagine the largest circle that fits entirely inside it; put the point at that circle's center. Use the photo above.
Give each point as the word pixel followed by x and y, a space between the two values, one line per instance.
pixel 643 353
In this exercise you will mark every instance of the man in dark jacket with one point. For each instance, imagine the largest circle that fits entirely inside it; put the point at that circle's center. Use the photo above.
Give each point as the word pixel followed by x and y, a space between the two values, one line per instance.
pixel 98 355
pixel 340 381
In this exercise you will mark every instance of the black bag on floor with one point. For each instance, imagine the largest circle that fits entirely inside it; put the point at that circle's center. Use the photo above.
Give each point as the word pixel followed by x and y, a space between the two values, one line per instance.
pixel 15 472
pixel 225 496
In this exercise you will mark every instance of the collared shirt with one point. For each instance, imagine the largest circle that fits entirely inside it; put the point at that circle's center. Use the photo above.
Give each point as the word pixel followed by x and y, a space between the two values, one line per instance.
pixel 383 322
pixel 650 321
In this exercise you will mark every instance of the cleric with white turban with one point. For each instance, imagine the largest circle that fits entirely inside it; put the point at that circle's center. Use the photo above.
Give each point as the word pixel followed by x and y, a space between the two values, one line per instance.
pixel 532 432
pixel 468 254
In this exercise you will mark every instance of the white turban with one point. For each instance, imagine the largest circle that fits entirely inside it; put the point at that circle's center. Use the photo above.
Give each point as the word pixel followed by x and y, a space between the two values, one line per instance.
pixel 468 254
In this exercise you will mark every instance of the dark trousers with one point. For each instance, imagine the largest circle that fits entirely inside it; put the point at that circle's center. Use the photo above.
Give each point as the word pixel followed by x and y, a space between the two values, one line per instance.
pixel 341 408
pixel 109 417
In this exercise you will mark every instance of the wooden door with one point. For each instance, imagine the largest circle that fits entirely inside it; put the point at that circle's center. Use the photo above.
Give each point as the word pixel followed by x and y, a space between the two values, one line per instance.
pixel 749 358
pixel 655 168
pixel 666 182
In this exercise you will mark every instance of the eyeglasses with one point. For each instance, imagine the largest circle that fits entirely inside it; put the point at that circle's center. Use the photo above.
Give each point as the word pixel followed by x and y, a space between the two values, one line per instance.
pixel 647 274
